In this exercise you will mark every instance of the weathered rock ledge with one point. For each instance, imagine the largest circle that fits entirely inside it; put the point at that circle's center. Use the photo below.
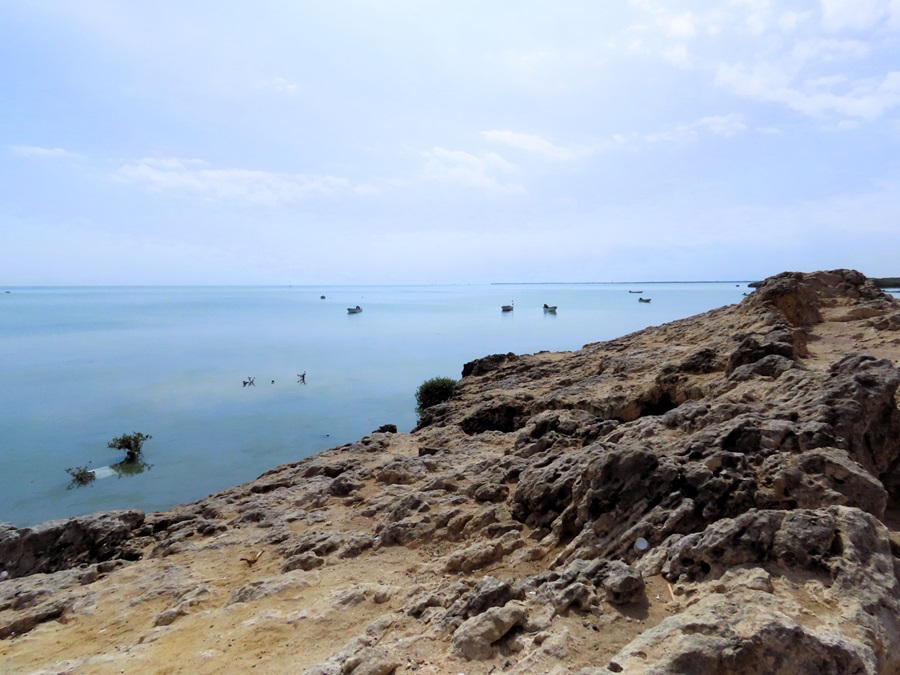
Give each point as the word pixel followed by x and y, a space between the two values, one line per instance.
pixel 754 449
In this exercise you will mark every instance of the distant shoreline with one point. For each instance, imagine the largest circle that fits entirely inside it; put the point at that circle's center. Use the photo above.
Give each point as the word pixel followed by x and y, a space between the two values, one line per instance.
pixel 611 283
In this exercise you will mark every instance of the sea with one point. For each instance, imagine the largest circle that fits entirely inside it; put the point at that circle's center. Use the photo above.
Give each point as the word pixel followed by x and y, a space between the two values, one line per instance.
pixel 213 374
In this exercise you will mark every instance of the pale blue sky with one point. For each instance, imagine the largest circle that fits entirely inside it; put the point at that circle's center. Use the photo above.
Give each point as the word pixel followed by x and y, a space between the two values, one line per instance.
pixel 417 141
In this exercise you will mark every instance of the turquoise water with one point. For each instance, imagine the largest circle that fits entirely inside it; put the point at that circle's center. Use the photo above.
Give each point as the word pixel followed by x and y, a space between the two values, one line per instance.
pixel 81 365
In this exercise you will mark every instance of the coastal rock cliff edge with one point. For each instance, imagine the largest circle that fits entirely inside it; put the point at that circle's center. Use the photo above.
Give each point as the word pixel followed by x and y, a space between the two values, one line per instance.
pixel 720 494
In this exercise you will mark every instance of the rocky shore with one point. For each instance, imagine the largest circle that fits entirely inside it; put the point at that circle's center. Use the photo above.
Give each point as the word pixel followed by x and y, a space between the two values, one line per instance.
pixel 720 494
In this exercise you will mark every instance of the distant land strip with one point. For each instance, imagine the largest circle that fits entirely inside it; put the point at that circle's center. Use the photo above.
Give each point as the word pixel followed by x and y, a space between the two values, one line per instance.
pixel 885 282
pixel 618 283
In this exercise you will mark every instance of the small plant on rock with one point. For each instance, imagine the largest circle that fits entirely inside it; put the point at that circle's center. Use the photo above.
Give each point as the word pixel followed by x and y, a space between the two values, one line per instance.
pixel 132 444
pixel 81 476
pixel 434 391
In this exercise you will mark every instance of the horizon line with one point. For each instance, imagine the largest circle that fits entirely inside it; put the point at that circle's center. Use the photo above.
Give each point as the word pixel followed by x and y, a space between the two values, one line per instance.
pixel 313 285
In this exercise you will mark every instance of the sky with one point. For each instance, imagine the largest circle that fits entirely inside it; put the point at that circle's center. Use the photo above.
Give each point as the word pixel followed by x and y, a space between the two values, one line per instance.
pixel 426 142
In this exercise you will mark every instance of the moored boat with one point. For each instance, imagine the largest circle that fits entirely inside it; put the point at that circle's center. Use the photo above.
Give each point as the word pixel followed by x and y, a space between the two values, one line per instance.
pixel 354 310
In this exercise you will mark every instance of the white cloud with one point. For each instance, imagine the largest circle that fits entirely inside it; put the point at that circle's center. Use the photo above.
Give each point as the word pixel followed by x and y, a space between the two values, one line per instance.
pixel 534 143
pixel 35 151
pixel 725 126
pixel 456 166
pixel 859 15
pixel 757 17
pixel 824 82
pixel 681 26
pixel 526 64
pixel 365 190
pixel 630 40
pixel 683 132
pixel 261 187
pixel 828 51
pixel 818 75
pixel 790 21
pixel 844 125
pixel 677 54
pixel 682 37
pixel 866 99
pixel 280 85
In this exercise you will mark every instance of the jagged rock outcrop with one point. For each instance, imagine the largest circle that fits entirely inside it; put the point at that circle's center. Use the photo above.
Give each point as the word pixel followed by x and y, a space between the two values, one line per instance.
pixel 61 544
pixel 717 494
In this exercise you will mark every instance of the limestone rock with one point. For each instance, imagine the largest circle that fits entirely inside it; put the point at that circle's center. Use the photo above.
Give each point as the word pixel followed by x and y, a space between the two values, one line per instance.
pixel 822 475
pixel 371 661
pixel 723 636
pixel 264 588
pixel 487 593
pixel 483 553
pixel 474 638
pixel 60 544
pixel 29 619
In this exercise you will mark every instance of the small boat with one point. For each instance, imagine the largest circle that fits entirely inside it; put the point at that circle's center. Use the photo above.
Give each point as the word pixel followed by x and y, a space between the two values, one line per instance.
pixel 354 310
pixel 507 308
pixel 550 309
pixel 635 291
pixel 643 299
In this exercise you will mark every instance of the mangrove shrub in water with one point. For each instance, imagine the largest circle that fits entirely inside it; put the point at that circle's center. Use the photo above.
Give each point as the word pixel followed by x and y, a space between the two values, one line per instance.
pixel 81 476
pixel 132 444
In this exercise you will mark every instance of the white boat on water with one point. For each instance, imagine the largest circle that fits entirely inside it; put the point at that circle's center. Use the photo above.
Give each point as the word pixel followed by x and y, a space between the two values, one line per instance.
pixel 550 309
pixel 643 299
pixel 354 310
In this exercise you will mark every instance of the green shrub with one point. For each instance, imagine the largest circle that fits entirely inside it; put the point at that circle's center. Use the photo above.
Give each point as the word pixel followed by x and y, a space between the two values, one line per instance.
pixel 132 444
pixel 81 476
pixel 434 391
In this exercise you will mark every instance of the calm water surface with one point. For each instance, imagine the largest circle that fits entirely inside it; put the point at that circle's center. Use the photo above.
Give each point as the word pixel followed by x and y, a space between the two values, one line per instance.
pixel 81 365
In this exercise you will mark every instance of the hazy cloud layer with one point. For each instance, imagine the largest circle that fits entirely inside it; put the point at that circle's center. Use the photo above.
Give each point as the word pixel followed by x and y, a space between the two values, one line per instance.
pixel 447 142
pixel 262 187
pixel 35 151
